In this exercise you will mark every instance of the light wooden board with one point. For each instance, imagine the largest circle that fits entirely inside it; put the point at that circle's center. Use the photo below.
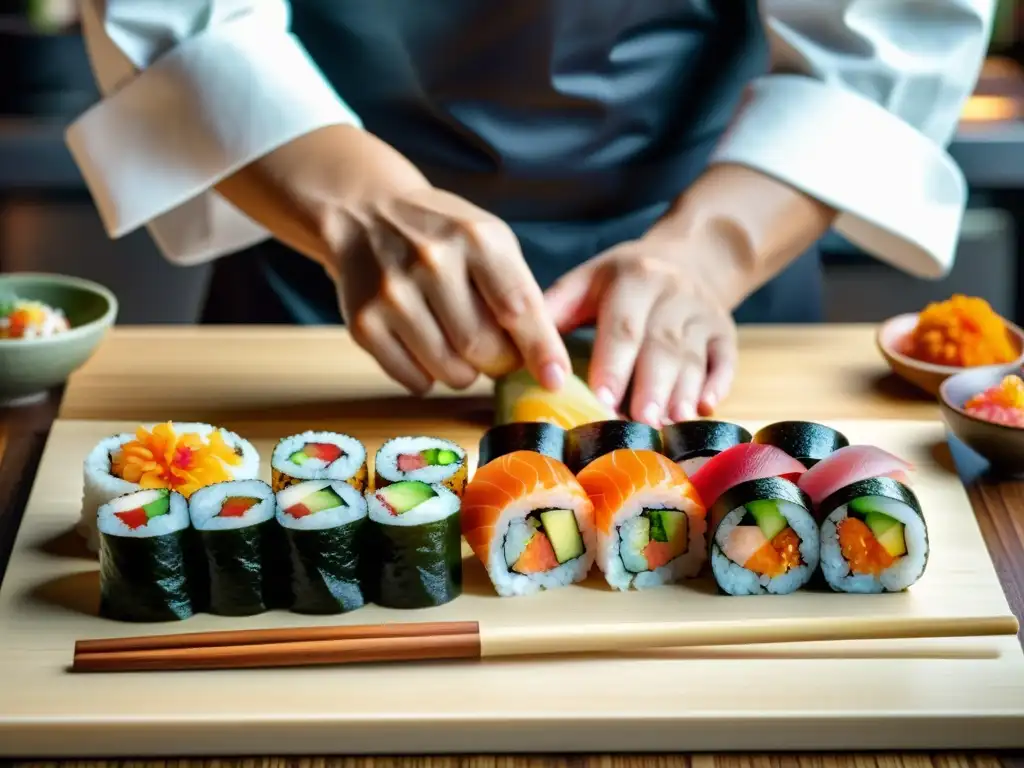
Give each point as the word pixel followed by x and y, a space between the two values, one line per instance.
pixel 930 693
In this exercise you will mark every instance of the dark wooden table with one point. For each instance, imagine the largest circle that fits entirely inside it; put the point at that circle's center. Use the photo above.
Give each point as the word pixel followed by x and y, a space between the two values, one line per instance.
pixel 998 504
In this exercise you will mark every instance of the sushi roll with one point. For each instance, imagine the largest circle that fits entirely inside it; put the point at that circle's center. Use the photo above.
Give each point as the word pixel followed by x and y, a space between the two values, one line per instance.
pixel 177 455
pixel 145 557
pixel 429 460
pixel 650 522
pixel 873 537
pixel 318 456
pixel 416 545
pixel 691 443
pixel 764 538
pixel 590 441
pixel 537 436
pixel 530 523
pixel 806 441
pixel 242 545
pixel 324 523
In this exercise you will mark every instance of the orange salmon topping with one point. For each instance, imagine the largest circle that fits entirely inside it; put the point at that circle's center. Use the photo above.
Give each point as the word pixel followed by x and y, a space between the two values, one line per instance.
pixel 861 549
pixel 164 459
pixel 961 331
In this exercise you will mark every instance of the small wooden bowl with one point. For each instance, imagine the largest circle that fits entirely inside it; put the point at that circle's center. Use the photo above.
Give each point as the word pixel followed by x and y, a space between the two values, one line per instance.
pixel 928 376
pixel 999 444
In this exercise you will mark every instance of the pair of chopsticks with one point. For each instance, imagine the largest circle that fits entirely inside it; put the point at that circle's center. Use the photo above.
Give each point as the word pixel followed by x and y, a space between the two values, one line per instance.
pixel 311 646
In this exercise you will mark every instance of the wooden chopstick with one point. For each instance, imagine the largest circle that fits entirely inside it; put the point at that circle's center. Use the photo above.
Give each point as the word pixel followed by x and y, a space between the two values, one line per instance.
pixel 465 640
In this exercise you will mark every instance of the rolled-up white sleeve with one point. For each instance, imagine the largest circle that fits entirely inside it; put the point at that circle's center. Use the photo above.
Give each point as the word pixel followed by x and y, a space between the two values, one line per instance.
pixel 861 103
pixel 193 90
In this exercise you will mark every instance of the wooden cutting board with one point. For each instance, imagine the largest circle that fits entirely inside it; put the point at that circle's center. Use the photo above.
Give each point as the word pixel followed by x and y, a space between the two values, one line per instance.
pixel 927 693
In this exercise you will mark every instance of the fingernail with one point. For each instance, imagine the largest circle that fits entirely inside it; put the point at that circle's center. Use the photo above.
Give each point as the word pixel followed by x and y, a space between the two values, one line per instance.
pixel 652 414
pixel 605 397
pixel 553 376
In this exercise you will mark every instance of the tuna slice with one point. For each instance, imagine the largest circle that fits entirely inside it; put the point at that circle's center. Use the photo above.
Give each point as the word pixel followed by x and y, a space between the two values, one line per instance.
pixel 851 465
pixel 740 463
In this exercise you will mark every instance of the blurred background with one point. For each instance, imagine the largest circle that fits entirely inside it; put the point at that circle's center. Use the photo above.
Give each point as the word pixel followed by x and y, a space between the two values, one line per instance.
pixel 48 222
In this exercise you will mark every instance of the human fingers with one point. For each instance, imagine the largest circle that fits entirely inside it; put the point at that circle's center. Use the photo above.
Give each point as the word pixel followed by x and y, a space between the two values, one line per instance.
pixel 511 293
pixel 723 357
pixel 692 372
pixel 671 358
pixel 625 304
pixel 408 316
pixel 370 332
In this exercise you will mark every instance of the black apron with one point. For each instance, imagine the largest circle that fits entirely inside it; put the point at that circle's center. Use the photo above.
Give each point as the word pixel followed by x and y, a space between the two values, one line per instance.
pixel 576 121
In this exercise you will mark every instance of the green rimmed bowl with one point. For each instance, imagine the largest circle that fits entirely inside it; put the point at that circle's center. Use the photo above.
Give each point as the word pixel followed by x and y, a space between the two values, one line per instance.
pixel 29 368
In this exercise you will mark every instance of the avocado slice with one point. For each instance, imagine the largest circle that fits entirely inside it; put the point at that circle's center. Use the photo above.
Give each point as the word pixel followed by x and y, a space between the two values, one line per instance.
pixel 893 540
pixel 879 522
pixel 405 495
pixel 298 458
pixel 158 507
pixel 429 456
pixel 563 533
pixel 768 516
pixel 325 498
pixel 446 457
pixel 666 524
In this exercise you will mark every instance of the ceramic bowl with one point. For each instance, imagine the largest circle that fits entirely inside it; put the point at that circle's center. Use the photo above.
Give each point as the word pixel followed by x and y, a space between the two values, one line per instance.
pixel 927 376
pixel 1002 446
pixel 29 368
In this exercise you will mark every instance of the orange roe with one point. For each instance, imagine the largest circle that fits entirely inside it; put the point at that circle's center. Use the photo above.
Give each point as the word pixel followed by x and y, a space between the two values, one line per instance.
pixel 861 549
pixel 1001 404
pixel 962 331
pixel 184 463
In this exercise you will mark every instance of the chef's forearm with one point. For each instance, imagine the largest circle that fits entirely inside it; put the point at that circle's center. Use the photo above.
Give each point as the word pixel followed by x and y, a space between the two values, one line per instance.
pixel 745 226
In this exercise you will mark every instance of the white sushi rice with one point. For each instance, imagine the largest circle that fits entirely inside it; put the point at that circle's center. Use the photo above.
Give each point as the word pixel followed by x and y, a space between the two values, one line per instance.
pixel 897 577
pixel 176 519
pixel 511 533
pixel 692 464
pixel 353 506
pixel 205 505
pixel 99 486
pixel 386 461
pixel 687 565
pixel 439 507
pixel 345 467
pixel 737 580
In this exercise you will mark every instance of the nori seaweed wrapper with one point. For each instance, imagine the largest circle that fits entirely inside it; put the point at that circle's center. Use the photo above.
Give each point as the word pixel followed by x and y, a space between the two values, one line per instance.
pixel 537 436
pixel 806 441
pixel 756 490
pixel 591 441
pixel 417 566
pixel 689 439
pixel 326 570
pixel 244 566
pixel 145 579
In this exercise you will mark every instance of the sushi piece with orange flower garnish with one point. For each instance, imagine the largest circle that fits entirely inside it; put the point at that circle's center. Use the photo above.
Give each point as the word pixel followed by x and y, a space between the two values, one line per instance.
pixel 529 522
pixel 650 521
pixel 181 457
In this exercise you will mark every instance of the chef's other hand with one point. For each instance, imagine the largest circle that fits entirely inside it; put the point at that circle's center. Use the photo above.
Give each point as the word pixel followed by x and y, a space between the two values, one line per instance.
pixel 436 289
pixel 658 324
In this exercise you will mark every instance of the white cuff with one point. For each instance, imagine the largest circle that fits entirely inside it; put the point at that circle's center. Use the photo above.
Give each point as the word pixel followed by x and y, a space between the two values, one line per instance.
pixel 198 114
pixel 900 196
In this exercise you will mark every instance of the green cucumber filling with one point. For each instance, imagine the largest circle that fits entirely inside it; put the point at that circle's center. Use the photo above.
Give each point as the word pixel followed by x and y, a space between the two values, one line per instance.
pixel 873 511
pixel 542 541
pixel 653 539
pixel 325 452
pixel 404 496
pixel 317 501
pixel 138 517
pixel 428 457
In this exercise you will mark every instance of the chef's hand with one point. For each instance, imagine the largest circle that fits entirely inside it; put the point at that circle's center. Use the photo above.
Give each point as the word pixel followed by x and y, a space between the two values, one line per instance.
pixel 436 289
pixel 658 324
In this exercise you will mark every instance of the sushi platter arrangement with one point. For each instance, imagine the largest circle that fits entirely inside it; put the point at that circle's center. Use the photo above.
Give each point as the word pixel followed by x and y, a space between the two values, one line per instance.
pixel 766 541
pixel 183 524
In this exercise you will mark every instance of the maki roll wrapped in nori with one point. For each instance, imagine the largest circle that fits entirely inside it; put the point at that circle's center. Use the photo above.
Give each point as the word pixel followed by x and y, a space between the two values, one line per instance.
pixel 318 456
pixel 145 556
pixel 590 441
pixel 691 443
pixel 325 526
pixel 243 547
pixel 873 537
pixel 764 538
pixel 429 460
pixel 537 436
pixel 416 545
pixel 806 441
